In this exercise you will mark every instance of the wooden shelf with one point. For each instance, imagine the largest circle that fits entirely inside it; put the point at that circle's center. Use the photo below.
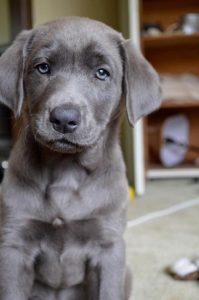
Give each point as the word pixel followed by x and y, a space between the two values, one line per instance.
pixel 171 53
pixel 182 171
pixel 174 39
pixel 170 103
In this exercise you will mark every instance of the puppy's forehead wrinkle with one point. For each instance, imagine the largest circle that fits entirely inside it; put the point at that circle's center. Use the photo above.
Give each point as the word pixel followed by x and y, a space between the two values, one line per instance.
pixel 96 54
pixel 75 36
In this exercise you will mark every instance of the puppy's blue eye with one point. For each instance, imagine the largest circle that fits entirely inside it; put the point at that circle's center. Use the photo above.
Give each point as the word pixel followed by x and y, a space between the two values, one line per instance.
pixel 102 74
pixel 43 68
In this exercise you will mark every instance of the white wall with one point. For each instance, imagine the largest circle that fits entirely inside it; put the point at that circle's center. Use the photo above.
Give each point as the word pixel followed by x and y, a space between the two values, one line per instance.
pixel 4 22
pixel 104 10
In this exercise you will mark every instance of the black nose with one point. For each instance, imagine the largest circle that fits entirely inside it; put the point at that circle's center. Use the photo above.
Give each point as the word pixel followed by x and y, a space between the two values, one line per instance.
pixel 65 120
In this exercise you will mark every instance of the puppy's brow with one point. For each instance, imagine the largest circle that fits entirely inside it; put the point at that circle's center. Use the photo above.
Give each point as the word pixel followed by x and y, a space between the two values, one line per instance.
pixel 94 54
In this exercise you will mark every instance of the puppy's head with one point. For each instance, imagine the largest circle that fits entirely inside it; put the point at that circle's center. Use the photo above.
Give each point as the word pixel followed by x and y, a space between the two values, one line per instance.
pixel 71 74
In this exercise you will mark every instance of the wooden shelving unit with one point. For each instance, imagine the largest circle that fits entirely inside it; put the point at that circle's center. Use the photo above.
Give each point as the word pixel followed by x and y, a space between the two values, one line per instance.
pixel 182 171
pixel 188 103
pixel 171 40
pixel 170 53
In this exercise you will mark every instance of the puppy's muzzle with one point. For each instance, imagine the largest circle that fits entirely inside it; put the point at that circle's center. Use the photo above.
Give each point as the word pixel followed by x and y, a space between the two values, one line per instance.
pixel 65 119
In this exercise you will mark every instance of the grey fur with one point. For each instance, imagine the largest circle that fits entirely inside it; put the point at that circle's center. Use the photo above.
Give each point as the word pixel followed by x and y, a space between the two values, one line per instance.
pixel 64 196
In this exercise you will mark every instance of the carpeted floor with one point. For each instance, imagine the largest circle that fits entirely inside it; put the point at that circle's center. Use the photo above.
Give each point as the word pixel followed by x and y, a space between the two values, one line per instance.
pixel 155 244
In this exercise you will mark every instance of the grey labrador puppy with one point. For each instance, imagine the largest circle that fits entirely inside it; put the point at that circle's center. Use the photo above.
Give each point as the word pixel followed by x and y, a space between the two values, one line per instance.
pixel 64 194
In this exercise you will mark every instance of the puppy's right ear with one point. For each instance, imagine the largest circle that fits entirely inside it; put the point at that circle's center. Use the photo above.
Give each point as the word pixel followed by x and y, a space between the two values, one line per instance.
pixel 141 84
pixel 11 74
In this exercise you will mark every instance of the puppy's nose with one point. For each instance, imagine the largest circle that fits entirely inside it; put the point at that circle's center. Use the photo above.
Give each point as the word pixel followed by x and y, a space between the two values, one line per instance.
pixel 65 120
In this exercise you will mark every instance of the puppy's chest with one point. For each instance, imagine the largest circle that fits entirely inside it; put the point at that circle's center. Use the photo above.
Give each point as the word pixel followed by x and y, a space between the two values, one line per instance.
pixel 67 236
pixel 62 193
pixel 65 250
pixel 66 216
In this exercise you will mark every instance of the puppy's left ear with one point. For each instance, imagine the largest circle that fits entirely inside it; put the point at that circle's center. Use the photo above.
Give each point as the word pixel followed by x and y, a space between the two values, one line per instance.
pixel 141 84
pixel 11 74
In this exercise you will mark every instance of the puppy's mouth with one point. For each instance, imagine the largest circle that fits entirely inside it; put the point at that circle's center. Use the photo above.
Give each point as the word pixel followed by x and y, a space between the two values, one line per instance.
pixel 62 145
pixel 65 143
pixel 67 146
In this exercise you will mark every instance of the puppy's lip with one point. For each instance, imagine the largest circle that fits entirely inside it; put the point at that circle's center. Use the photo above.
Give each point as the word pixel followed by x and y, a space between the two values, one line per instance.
pixel 65 141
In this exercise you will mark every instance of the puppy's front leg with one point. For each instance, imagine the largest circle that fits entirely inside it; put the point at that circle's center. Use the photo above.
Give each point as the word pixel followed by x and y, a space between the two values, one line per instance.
pixel 16 274
pixel 112 276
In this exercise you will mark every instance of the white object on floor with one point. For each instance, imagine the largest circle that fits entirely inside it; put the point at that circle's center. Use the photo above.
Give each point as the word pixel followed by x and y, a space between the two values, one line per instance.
pixel 183 267
pixel 175 128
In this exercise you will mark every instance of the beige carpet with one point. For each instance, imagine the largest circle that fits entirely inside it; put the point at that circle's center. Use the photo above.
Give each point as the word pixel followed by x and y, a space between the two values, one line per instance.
pixel 153 245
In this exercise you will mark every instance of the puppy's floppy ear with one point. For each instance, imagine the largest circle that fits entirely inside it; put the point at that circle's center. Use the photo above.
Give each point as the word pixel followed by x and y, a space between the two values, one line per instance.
pixel 11 74
pixel 141 84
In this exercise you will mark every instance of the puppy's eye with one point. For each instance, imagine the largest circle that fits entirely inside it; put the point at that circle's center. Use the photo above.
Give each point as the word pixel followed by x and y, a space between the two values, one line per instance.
pixel 102 74
pixel 43 68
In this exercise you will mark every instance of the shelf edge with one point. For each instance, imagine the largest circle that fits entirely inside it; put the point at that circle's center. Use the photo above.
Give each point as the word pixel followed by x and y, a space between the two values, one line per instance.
pixel 154 173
